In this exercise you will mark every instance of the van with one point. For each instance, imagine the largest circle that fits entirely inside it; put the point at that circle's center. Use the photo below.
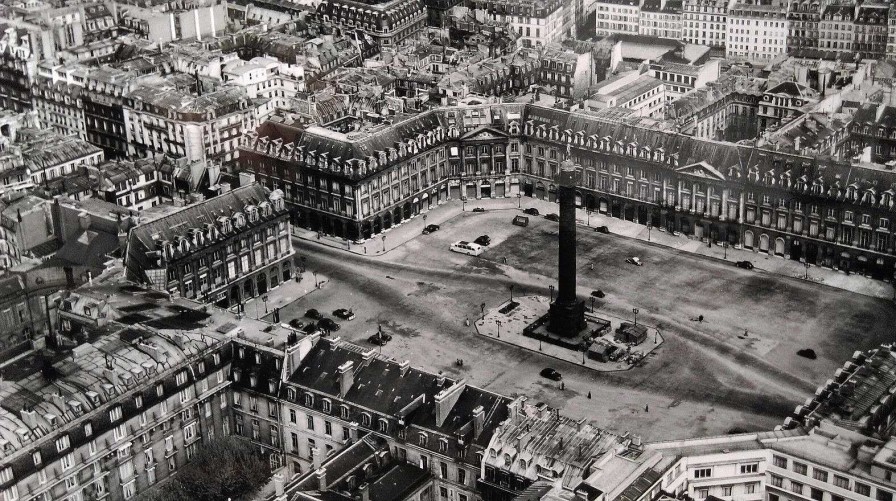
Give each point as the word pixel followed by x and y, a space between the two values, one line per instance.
pixel 467 248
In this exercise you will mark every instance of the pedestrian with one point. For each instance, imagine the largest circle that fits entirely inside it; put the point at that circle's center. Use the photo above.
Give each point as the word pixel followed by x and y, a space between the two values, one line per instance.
pixel 700 318
pixel 365 249
pixel 592 266
pixel 589 395
pixel 647 408
pixel 562 385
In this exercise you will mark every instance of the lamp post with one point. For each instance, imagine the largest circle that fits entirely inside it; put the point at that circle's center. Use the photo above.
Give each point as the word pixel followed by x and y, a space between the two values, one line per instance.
pixel 511 292
pixel 265 299
pixel 649 227
pixel 482 308
pixel 552 292
pixel 463 202
pixel 725 250
pixel 635 311
pixel 303 264
pixel 592 304
pixel 384 243
pixel 807 269
pixel 539 344
pixel 519 199
pixel 424 219
pixel 588 215
pixel 315 279
pixel 498 322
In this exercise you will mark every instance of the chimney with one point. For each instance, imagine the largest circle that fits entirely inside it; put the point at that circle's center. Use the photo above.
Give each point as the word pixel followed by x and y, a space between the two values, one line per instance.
pixel 478 421
pixel 278 485
pixel 111 376
pixel 84 220
pixel 346 377
pixel 29 417
pixel 321 474
pixel 315 458
pixel 364 490
pixel 445 401
pixel 58 401
pixel 404 367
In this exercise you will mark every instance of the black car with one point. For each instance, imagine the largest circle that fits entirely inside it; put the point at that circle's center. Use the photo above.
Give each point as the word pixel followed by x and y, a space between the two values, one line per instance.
pixel 532 211
pixel 430 228
pixel 598 293
pixel 377 340
pixel 328 324
pixel 296 323
pixel 551 374
pixel 602 229
pixel 309 328
pixel 483 240
pixel 552 217
pixel 312 313
pixel 478 209
pixel 344 314
pixel 744 264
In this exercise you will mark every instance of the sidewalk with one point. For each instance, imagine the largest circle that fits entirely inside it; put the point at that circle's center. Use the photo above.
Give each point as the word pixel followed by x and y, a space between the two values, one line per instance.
pixel 410 228
pixel 283 294
pixel 401 233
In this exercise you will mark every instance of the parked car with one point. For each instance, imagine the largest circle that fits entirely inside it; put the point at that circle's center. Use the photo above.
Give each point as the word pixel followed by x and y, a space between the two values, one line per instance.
pixel 598 293
pixel 296 323
pixel 551 374
pixel 552 217
pixel 602 229
pixel 521 221
pixel 344 314
pixel 532 211
pixel 312 313
pixel 377 340
pixel 747 265
pixel 328 324
pixel 478 209
pixel 309 328
pixel 483 240
pixel 635 261
pixel 430 228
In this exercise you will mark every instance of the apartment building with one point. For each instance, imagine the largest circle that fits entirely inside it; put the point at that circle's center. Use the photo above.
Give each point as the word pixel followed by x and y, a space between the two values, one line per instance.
pixel 870 30
pixel 704 22
pixel 617 16
pixel 385 24
pixel 661 18
pixel 756 32
pixel 723 109
pixel 803 17
pixel 679 79
pixel 633 90
pixel 49 156
pixel 835 29
pixel 134 184
pixel 537 22
pixel 120 415
pixel 223 250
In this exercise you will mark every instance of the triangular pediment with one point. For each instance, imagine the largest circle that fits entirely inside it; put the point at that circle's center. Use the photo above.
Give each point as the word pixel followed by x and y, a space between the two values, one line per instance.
pixel 701 169
pixel 484 133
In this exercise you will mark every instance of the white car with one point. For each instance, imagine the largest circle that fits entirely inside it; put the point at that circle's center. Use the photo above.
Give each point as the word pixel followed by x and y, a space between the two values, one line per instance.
pixel 635 261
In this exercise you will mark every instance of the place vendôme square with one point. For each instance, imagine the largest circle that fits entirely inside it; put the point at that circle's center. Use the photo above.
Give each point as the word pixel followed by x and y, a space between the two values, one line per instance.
pixel 447 250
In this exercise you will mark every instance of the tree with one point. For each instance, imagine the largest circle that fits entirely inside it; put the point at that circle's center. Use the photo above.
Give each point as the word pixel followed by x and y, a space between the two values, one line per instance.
pixel 226 468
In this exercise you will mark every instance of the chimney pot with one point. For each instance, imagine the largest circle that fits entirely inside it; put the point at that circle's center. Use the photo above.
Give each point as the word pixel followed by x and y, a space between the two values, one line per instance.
pixel 321 478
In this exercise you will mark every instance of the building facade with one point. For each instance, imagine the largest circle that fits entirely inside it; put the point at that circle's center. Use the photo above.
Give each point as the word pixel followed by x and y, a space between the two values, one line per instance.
pixel 537 22
pixel 661 18
pixel 756 32
pixel 617 16
pixel 704 22
pixel 802 24
pixel 224 250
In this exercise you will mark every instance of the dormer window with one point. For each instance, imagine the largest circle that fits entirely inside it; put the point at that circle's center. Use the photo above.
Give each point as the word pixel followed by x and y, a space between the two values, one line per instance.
pixel 327 405
pixel 291 394
pixel 216 358
pixel 422 438
pixel 138 401
pixel 507 460
pixel 522 464
pixel 115 413
pixel 181 378
pixel 443 445
pixel 62 443
pixel 365 419
pixel 343 411
pixel 309 400
pixel 383 425
pixel 88 429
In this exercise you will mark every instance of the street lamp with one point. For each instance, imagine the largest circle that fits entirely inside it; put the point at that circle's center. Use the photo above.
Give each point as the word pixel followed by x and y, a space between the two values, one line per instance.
pixel 424 218
pixel 519 198
pixel 315 279
pixel 649 227
pixel 552 292
pixel 498 322
pixel 265 299
pixel 588 215
pixel 725 249
pixel 482 308
pixel 463 202
pixel 635 311
pixel 807 269
pixel 539 344
pixel 384 243
pixel 592 304
pixel 511 292
pixel 303 264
